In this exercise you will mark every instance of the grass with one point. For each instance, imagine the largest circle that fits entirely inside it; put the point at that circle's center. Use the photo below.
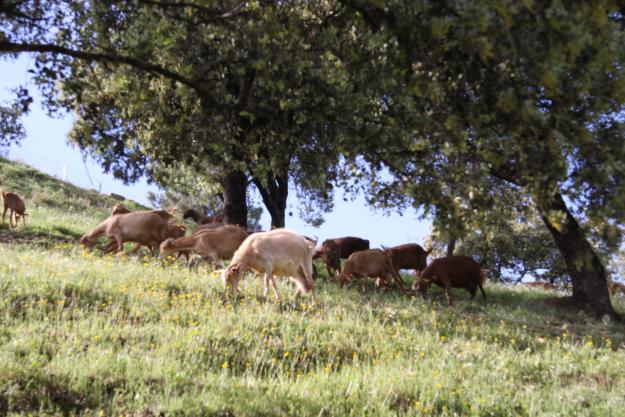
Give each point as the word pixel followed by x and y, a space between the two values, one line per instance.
pixel 57 211
pixel 86 334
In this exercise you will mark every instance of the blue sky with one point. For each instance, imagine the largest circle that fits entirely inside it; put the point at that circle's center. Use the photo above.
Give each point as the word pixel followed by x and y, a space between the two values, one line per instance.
pixel 47 149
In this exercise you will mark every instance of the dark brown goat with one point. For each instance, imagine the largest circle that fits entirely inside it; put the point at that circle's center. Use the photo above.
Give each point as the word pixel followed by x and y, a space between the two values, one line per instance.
pixel 200 218
pixel 333 250
pixel 409 256
pixel 452 272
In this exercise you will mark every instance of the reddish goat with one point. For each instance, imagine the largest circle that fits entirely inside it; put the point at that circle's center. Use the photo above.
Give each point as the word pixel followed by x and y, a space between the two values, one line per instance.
pixel 370 263
pixel 409 256
pixel 15 204
pixel 333 250
pixel 452 272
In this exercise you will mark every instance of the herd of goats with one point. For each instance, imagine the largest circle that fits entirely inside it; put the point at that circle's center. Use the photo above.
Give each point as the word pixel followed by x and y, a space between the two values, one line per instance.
pixel 278 252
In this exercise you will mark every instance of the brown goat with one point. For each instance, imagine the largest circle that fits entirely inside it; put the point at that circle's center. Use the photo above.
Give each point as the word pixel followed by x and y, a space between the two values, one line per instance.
pixel 278 252
pixel 409 256
pixel 333 250
pixel 141 227
pixel 452 272
pixel 174 231
pixel 121 209
pixel 370 263
pixel 331 255
pixel 15 204
pixel 210 244
pixel 207 226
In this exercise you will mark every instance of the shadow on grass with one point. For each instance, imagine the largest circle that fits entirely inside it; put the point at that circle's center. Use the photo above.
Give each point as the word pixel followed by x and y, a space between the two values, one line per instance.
pixel 529 313
pixel 35 236
pixel 212 399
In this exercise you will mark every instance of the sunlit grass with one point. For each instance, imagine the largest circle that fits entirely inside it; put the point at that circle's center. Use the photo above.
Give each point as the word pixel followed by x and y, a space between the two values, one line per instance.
pixel 124 335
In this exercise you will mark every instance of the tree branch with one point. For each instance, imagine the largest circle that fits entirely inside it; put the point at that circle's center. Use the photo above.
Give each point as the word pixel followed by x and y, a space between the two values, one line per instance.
pixel 13 48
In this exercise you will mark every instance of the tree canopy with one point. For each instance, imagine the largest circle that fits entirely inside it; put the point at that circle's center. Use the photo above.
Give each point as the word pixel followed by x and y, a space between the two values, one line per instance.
pixel 435 105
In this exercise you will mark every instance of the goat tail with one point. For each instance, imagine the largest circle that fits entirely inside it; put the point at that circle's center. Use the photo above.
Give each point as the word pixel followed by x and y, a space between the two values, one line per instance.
pixel 312 243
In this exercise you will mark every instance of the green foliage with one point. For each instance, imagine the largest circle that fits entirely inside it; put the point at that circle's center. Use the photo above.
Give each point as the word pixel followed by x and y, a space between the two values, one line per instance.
pixel 254 103
pixel 11 129
pixel 510 237
pixel 527 93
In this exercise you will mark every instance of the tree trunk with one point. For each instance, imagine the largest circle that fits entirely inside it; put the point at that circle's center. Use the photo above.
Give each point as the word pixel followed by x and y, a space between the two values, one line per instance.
pixel 588 276
pixel 499 277
pixel 451 246
pixel 274 194
pixel 234 185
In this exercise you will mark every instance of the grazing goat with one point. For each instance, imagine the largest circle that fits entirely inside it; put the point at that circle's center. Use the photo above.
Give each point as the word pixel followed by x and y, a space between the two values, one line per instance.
pixel 17 209
pixel 207 226
pixel 200 218
pixel 121 209
pixel 370 263
pixel 141 227
pixel 333 250
pixel 172 231
pixel 409 256
pixel 209 244
pixel 452 272
pixel 278 252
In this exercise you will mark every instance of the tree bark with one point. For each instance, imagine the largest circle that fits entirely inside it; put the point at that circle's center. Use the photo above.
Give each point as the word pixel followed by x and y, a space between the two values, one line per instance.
pixel 588 276
pixel 234 185
pixel 274 194
pixel 451 246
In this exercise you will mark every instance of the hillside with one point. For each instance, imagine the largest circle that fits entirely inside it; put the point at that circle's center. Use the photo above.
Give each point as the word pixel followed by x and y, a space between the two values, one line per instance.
pixel 57 211
pixel 82 333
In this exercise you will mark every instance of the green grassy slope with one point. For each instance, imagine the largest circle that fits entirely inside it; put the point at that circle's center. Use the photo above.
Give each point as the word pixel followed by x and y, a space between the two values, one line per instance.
pixel 82 333
pixel 57 211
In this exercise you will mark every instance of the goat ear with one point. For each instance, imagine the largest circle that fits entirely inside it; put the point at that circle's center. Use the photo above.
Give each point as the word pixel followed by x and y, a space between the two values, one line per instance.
pixel 235 268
